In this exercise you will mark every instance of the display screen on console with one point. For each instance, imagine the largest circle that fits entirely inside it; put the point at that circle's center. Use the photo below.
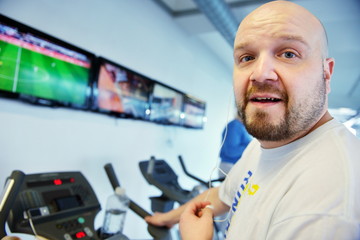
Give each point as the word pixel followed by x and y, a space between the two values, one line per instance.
pixel 69 202
pixel 62 199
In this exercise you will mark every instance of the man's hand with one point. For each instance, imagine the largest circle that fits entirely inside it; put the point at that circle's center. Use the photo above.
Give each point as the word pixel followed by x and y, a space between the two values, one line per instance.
pixel 161 220
pixel 10 238
pixel 196 222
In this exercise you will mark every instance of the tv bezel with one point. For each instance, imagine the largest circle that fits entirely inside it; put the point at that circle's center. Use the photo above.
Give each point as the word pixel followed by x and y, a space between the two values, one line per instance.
pixel 181 106
pixel 184 124
pixel 94 105
pixel 41 101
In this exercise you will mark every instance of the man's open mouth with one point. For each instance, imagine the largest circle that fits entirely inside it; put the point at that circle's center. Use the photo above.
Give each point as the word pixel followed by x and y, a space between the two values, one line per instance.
pixel 265 99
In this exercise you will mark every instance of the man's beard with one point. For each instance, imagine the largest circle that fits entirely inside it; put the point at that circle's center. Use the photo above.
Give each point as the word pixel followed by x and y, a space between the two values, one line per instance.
pixel 298 116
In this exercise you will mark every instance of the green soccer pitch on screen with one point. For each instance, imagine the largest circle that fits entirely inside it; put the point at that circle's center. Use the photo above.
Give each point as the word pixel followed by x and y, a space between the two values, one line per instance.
pixel 36 66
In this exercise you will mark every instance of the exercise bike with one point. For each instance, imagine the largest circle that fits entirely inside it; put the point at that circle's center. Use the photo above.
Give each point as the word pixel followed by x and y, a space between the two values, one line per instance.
pixel 158 172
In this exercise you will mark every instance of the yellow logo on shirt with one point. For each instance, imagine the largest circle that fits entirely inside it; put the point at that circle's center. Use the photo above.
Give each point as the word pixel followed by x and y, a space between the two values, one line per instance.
pixel 252 188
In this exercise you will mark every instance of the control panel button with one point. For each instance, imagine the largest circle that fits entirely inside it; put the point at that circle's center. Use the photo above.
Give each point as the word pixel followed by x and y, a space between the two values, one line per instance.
pixel 88 232
pixel 81 220
pixel 67 236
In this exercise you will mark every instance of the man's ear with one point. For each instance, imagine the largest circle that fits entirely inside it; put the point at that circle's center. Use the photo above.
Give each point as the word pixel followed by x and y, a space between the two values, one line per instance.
pixel 329 64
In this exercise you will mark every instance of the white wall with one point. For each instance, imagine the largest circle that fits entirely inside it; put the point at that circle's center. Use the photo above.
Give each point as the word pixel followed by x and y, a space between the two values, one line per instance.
pixel 137 34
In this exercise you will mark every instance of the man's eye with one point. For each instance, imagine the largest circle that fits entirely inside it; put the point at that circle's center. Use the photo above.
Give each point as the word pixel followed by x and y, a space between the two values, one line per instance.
pixel 246 58
pixel 289 54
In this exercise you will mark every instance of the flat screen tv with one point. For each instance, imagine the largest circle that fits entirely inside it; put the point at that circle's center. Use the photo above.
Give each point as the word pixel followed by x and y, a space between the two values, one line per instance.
pixel 42 69
pixel 166 105
pixel 193 112
pixel 120 91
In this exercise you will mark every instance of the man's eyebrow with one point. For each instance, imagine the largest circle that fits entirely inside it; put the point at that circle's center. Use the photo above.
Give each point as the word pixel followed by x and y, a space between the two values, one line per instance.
pixel 241 46
pixel 295 38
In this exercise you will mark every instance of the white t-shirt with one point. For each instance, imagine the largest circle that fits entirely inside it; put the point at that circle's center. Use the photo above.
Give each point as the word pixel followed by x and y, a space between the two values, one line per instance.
pixel 308 189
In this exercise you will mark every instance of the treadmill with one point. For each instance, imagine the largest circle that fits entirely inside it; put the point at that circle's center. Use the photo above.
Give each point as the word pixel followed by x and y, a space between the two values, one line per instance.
pixel 58 206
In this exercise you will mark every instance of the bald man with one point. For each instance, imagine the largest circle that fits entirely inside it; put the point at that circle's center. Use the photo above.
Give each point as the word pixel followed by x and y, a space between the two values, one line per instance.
pixel 299 178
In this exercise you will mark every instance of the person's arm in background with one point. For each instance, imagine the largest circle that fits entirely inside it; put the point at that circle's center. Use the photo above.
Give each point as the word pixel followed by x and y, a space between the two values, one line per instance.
pixel 172 217
pixel 236 140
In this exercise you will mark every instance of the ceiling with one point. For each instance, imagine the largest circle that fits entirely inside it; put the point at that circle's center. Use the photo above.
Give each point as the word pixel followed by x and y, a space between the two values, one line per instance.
pixel 341 19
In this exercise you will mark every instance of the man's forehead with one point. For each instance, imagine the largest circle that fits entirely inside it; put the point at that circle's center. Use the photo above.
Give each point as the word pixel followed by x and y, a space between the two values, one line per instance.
pixel 281 27
pixel 244 41
pixel 277 29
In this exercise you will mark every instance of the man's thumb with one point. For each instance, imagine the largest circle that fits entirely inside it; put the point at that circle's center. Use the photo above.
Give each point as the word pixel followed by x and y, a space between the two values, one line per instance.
pixel 208 211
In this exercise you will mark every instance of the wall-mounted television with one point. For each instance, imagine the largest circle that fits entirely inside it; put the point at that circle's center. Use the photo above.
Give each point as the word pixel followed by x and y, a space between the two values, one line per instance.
pixel 42 69
pixel 166 105
pixel 121 91
pixel 193 112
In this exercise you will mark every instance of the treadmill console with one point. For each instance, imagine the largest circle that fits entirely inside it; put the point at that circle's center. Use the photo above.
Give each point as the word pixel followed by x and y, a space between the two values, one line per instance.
pixel 59 206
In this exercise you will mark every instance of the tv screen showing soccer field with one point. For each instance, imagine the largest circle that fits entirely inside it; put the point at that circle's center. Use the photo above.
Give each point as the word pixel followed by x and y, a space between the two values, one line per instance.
pixel 37 65
pixel 193 112
pixel 166 105
pixel 121 91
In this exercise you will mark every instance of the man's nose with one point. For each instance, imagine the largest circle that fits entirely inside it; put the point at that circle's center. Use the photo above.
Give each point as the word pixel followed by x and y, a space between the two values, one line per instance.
pixel 264 69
